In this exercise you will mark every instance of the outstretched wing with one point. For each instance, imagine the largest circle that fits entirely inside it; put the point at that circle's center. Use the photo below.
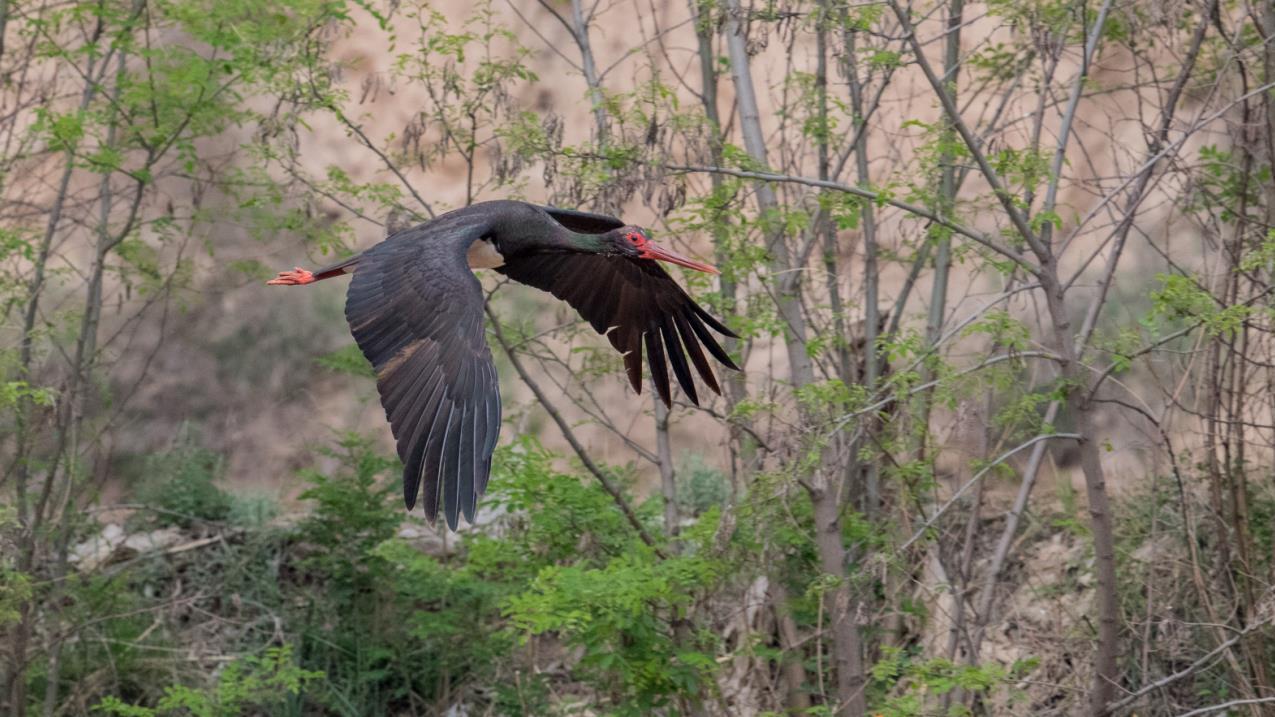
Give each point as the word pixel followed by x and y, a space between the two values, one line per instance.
pixel 416 311
pixel 636 304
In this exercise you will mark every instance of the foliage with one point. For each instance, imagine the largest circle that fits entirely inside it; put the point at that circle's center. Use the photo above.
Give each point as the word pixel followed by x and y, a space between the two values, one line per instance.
pixel 700 486
pixel 180 484
pixel 909 682
pixel 258 682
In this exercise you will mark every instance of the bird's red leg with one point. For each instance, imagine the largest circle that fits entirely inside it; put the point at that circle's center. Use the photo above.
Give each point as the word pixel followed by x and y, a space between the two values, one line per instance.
pixel 296 277
pixel 299 276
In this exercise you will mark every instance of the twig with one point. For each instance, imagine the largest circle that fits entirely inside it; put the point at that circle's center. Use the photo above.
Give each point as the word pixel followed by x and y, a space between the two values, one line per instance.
pixel 935 382
pixel 389 164
pixel 990 175
pixel 1189 670
pixel 1069 115
pixel 961 491
pixel 919 211
pixel 1228 705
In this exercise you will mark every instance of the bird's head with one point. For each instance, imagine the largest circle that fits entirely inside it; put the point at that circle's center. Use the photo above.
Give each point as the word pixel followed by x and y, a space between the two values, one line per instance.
pixel 635 243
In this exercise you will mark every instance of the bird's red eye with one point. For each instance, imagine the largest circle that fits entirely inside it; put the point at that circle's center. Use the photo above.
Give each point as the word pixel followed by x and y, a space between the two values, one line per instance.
pixel 637 239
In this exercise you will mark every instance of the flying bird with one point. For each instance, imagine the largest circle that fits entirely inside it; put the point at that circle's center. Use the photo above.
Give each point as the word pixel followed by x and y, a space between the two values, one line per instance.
pixel 416 311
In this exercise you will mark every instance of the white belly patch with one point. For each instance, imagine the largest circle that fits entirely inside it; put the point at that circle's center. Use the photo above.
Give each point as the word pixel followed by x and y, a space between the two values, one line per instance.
pixel 483 255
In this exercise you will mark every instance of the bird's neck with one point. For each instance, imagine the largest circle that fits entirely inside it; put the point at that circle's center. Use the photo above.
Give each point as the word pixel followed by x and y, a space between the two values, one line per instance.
pixel 592 243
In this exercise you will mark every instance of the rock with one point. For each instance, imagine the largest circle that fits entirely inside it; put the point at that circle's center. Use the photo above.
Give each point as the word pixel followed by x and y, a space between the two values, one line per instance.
pixel 113 544
pixel 98 549
pixel 153 540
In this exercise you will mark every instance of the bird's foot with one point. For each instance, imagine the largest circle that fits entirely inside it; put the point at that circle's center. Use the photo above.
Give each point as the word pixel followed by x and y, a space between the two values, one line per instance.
pixel 296 277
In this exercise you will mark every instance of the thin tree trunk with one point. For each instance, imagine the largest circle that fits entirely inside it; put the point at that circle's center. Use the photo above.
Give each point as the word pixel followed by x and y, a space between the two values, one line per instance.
pixel 1236 345
pixel 1106 674
pixel 944 205
pixel 870 498
pixel 81 373
pixel 825 226
pixel 796 696
pixel 987 593
pixel 787 281
pixel 946 198
pixel 668 480
pixel 961 583
pixel 580 29
pixel 736 388
pixel 1268 102
pixel 742 446
pixel 14 678
pixel 4 23
pixel 824 496
pixel 843 615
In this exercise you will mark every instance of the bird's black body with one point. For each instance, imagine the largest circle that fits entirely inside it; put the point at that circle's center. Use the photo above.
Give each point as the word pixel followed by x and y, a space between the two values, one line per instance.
pixel 416 312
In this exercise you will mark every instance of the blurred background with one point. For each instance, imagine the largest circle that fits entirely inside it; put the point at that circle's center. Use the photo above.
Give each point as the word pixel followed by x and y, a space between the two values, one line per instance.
pixel 1002 441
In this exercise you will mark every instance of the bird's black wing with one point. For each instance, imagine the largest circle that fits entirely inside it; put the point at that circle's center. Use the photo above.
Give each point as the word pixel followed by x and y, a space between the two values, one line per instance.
pixel 416 311
pixel 635 303
pixel 583 222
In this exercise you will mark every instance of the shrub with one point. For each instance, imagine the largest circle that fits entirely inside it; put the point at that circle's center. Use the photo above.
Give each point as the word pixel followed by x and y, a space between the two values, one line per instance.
pixel 180 484
pixel 262 682
pixel 700 486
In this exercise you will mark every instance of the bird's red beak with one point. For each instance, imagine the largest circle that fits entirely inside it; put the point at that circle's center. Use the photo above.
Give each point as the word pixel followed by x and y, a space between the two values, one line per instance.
pixel 655 251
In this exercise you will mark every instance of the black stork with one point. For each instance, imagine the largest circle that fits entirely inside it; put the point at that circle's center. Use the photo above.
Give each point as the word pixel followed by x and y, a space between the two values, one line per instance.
pixel 416 311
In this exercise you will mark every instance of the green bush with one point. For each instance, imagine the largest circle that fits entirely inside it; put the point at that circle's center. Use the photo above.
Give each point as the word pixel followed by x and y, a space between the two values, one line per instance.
pixel 907 683
pixel 180 484
pixel 584 578
pixel 389 625
pixel 392 629
pixel 552 518
pixel 257 682
pixel 350 515
pixel 700 486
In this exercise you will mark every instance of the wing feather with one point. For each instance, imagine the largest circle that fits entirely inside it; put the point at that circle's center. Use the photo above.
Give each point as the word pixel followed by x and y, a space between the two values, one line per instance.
pixel 696 352
pixel 677 358
pixel 583 222
pixel 709 342
pixel 451 464
pixel 415 310
pixel 638 306
pixel 659 367
pixel 422 424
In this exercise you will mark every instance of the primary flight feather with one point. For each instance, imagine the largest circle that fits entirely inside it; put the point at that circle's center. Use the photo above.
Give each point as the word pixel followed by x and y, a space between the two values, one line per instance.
pixel 416 311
